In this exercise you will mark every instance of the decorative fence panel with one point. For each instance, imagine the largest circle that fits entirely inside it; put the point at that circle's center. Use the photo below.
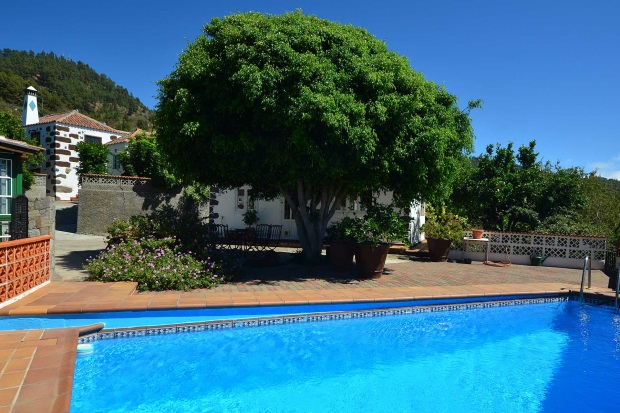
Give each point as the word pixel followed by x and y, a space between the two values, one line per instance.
pixel 566 251
pixel 24 264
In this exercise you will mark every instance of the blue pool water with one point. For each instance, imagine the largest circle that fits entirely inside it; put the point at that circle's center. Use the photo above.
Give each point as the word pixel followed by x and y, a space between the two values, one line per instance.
pixel 555 357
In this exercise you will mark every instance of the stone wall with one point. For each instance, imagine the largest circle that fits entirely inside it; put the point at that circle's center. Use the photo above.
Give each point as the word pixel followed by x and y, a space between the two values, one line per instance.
pixel 41 213
pixel 104 198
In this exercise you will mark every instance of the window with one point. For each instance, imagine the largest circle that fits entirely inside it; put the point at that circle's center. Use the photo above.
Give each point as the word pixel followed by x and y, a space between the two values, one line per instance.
pixel 245 200
pixel 6 191
pixel 116 162
pixel 94 139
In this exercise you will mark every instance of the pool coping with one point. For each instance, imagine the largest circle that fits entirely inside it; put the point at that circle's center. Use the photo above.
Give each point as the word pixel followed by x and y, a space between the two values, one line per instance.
pixel 47 381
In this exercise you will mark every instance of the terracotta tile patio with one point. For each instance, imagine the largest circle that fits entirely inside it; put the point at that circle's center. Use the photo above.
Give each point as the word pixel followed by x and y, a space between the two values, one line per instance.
pixel 36 367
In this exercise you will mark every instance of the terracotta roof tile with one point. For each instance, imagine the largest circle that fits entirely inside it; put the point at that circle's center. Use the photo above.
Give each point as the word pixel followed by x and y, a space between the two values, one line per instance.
pixel 127 137
pixel 75 118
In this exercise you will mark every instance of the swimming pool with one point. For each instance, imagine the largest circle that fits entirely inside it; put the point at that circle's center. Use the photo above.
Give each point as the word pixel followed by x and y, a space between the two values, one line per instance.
pixel 534 358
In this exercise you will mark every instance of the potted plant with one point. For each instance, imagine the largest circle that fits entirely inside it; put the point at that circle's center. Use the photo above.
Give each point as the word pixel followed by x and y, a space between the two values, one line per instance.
pixel 476 229
pixel 373 234
pixel 341 244
pixel 250 217
pixel 441 229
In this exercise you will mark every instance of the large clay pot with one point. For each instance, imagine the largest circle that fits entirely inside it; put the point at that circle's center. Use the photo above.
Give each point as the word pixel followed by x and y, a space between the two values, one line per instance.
pixel 438 249
pixel 341 254
pixel 370 260
pixel 477 233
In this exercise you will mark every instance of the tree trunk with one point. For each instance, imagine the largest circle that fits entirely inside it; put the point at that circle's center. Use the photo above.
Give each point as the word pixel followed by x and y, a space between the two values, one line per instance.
pixel 312 210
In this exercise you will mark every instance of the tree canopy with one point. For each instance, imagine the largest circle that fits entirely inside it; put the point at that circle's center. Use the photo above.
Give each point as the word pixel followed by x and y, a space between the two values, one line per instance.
pixel 93 158
pixel 513 191
pixel 314 110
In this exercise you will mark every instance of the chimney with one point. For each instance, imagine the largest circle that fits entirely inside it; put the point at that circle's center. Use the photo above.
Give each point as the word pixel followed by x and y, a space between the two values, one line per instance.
pixel 30 113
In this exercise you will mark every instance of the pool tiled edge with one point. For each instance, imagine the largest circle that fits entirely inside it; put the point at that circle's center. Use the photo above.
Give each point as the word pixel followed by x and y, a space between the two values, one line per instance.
pixel 144 331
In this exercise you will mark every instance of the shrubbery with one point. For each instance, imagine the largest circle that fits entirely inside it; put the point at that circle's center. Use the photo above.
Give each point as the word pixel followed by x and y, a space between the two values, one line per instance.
pixel 165 250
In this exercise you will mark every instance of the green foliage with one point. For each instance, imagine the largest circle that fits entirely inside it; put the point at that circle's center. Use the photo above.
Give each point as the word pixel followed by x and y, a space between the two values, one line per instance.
pixel 143 158
pixel 341 230
pixel 10 127
pixel 173 240
pixel 156 264
pixel 310 109
pixel 93 158
pixel 511 191
pixel 601 216
pixel 65 85
pixel 443 224
pixel 250 217
pixel 381 224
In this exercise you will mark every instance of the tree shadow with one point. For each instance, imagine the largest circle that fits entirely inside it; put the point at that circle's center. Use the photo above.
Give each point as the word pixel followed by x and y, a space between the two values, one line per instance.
pixel 66 219
pixel 75 260
pixel 298 272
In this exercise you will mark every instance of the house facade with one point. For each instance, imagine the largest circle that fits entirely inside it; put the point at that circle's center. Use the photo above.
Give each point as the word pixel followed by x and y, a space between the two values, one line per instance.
pixel 116 146
pixel 59 134
pixel 228 207
pixel 12 155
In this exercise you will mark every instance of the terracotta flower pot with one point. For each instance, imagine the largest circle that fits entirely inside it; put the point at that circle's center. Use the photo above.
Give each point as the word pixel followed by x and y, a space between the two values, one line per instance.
pixel 341 254
pixel 477 233
pixel 438 249
pixel 370 260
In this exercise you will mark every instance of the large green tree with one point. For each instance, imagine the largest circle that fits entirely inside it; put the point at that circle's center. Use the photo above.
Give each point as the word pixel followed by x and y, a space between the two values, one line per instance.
pixel 310 109
pixel 514 191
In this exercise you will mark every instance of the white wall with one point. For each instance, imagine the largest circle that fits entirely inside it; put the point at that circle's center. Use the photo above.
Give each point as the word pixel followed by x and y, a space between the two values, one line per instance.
pixel 114 150
pixel 61 158
pixel 272 212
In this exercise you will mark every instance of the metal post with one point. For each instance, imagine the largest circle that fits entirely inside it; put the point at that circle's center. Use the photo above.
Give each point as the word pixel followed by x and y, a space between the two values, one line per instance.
pixel 589 272
pixel 617 288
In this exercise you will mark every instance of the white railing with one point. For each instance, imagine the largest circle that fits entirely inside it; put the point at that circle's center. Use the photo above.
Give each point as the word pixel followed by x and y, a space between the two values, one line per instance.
pixel 559 250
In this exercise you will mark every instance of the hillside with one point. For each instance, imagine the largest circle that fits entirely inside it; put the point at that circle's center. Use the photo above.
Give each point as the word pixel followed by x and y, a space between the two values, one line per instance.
pixel 65 85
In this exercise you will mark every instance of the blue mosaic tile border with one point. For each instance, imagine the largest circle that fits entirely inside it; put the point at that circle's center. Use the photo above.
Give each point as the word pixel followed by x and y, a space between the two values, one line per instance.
pixel 310 318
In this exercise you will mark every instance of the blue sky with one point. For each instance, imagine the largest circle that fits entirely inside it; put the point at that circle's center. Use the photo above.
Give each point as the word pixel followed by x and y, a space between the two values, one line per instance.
pixel 547 70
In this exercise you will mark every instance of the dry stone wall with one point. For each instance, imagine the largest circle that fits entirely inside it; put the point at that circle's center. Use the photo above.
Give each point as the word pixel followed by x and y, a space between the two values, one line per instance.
pixel 104 198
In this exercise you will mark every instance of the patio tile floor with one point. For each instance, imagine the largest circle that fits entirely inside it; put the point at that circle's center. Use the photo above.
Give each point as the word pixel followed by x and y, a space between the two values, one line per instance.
pixel 36 367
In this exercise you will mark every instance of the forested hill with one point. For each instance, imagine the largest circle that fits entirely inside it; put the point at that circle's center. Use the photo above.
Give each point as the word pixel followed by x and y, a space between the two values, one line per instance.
pixel 64 85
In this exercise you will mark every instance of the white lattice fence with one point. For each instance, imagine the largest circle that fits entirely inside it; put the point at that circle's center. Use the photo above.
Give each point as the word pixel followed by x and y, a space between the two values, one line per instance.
pixel 114 180
pixel 560 250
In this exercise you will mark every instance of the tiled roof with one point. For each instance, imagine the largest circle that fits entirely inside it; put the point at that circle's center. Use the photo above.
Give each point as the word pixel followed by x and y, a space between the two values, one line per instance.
pixel 127 137
pixel 18 146
pixel 75 118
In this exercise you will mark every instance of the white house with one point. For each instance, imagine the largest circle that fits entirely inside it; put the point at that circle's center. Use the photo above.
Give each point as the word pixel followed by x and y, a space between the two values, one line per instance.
pixel 228 208
pixel 59 134
pixel 115 147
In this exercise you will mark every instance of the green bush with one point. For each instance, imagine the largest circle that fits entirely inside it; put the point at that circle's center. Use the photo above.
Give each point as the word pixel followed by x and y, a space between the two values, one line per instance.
pixel 442 224
pixel 167 249
pixel 381 224
pixel 156 264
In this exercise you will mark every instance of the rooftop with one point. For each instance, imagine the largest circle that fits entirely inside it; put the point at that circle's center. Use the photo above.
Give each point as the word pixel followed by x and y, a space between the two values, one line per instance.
pixel 75 118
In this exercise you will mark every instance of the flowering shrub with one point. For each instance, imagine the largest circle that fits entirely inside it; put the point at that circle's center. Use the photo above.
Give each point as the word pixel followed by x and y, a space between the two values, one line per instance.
pixel 167 249
pixel 156 264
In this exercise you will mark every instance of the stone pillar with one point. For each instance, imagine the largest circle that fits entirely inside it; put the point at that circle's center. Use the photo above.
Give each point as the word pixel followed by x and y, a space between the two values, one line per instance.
pixel 41 214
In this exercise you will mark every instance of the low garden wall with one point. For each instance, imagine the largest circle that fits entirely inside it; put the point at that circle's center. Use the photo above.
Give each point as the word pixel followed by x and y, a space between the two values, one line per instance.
pixel 566 251
pixel 24 264
pixel 104 198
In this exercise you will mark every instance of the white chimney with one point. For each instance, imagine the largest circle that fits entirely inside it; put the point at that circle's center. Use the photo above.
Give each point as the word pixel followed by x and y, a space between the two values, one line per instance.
pixel 30 114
